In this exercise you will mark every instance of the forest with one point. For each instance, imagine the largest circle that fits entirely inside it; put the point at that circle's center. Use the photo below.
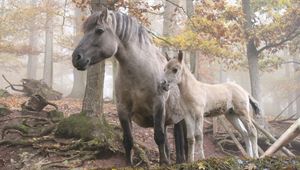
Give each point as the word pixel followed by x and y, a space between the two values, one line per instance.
pixel 150 84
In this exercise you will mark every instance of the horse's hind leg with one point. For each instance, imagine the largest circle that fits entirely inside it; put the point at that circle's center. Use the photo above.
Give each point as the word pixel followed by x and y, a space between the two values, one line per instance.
pixel 239 125
pixel 199 134
pixel 127 136
pixel 246 119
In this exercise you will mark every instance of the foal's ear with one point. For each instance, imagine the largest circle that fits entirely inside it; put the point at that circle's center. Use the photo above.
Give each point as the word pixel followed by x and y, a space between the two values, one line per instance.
pixel 180 56
pixel 103 16
pixel 167 56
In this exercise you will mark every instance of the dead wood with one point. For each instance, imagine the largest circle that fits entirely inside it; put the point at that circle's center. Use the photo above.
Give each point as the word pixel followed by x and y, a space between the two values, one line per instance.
pixel 272 138
pixel 32 87
pixel 286 137
pixel 237 143
pixel 36 103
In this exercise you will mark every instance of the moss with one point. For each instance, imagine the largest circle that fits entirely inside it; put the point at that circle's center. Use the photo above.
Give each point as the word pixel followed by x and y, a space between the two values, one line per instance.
pixel 4 93
pixel 84 127
pixel 237 163
pixel 4 110
pixel 55 115
pixel 76 126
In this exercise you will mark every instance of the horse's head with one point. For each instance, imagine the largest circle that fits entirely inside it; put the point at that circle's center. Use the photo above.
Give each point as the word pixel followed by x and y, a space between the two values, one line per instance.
pixel 173 69
pixel 98 42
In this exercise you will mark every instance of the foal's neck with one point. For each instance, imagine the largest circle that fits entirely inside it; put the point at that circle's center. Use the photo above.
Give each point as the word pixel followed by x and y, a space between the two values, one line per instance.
pixel 188 80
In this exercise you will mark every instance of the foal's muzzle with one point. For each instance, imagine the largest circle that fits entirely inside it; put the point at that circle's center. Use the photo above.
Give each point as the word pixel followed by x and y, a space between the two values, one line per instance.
pixel 80 62
pixel 165 85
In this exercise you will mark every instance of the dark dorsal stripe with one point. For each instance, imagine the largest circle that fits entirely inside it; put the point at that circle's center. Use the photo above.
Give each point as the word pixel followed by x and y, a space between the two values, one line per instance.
pixel 127 28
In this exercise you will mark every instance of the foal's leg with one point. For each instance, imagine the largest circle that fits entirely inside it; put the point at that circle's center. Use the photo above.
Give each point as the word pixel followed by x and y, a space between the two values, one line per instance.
pixel 159 129
pixel 126 124
pixel 190 129
pixel 167 143
pixel 199 134
pixel 239 125
pixel 246 119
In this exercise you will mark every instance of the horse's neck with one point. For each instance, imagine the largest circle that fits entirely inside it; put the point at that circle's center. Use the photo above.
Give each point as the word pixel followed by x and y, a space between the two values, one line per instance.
pixel 188 81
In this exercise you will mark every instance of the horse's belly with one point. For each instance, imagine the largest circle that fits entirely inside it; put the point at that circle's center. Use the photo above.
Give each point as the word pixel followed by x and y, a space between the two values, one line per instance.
pixel 216 109
pixel 143 120
pixel 215 112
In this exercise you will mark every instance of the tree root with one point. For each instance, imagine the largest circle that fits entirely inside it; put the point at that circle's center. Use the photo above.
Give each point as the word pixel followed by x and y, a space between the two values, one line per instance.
pixel 226 151
pixel 142 155
pixel 28 117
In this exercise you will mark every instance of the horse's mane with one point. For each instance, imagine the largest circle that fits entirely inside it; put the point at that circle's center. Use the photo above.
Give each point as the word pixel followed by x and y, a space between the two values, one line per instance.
pixel 126 27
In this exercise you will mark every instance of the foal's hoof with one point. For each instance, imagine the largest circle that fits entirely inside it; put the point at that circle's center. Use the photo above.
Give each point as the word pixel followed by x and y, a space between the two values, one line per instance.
pixel 164 162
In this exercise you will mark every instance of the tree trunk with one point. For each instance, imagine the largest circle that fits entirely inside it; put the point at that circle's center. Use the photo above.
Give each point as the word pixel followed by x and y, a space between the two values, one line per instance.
pixel 48 61
pixel 289 94
pixel 32 57
pixel 115 70
pixel 252 57
pixel 78 84
pixel 79 76
pixel 297 80
pixel 252 54
pixel 167 23
pixel 93 97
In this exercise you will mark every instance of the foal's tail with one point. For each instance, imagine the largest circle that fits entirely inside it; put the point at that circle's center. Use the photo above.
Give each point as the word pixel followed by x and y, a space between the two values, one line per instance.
pixel 255 105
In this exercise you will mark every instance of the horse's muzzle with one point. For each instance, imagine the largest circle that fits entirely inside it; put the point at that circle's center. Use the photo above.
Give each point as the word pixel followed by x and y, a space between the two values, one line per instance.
pixel 79 61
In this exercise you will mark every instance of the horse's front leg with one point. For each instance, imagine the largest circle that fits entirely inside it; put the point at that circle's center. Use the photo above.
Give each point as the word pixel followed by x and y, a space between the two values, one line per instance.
pixel 180 141
pixel 167 149
pixel 199 134
pixel 159 129
pixel 190 129
pixel 126 124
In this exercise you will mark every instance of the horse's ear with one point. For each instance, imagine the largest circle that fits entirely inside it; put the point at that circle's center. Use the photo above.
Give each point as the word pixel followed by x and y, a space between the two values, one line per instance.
pixel 104 15
pixel 180 56
pixel 167 56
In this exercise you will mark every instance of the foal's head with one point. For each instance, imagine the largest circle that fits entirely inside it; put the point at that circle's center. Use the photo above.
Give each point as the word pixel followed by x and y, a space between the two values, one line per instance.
pixel 173 69
pixel 98 42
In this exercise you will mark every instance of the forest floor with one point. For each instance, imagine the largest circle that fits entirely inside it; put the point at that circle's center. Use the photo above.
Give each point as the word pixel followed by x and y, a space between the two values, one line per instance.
pixel 16 157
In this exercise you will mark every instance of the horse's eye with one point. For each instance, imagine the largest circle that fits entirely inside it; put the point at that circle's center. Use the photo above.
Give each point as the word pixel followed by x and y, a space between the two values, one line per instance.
pixel 174 70
pixel 99 30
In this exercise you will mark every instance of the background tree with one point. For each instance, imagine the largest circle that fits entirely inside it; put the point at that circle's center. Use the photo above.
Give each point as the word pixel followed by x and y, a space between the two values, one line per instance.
pixel 48 60
pixel 227 32
pixel 79 84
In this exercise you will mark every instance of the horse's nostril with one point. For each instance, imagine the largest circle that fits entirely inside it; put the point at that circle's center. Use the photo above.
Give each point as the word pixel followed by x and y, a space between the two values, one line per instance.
pixel 78 57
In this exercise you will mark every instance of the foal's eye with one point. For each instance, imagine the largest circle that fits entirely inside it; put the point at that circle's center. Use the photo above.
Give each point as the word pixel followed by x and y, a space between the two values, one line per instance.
pixel 174 70
pixel 99 31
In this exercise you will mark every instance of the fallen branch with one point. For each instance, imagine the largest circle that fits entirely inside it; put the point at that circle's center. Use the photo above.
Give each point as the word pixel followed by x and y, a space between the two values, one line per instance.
pixel 27 117
pixel 272 138
pixel 12 85
pixel 286 137
pixel 237 143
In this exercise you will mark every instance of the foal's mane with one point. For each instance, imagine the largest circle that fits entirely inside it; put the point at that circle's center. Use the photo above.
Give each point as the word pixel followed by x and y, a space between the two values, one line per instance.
pixel 126 27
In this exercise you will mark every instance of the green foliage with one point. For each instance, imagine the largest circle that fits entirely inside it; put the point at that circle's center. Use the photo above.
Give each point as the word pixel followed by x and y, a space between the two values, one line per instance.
pixel 217 30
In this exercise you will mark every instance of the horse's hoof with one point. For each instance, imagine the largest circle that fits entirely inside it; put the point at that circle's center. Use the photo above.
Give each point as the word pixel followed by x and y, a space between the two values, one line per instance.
pixel 164 163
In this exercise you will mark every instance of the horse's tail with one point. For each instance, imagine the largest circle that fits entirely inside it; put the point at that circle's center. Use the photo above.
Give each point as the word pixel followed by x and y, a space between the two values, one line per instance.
pixel 255 105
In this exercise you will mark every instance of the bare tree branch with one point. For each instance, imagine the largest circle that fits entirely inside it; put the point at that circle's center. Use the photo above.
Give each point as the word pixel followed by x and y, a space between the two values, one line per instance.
pixel 189 18
pixel 290 37
pixel 11 85
pixel 160 38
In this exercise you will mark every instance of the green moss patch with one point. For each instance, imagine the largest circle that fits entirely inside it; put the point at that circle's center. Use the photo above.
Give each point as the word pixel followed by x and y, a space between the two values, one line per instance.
pixel 237 163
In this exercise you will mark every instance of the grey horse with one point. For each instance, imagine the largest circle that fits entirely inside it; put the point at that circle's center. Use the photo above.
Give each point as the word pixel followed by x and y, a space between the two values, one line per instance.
pixel 140 96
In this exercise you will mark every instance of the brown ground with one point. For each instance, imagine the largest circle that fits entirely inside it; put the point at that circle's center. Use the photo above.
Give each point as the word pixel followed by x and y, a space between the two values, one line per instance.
pixel 9 156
